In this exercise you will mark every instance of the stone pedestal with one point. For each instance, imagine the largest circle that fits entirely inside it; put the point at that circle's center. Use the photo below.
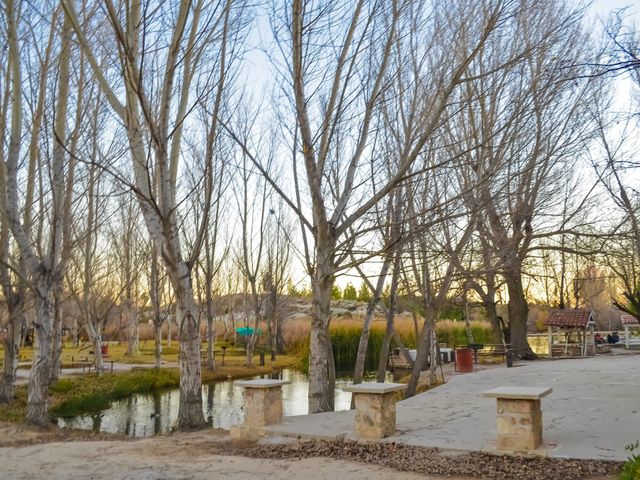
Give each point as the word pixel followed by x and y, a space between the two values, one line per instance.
pixel 263 406
pixel 519 424
pixel 375 408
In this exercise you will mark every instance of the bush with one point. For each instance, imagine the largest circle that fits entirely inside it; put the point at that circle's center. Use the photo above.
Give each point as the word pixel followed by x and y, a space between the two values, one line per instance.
pixel 631 468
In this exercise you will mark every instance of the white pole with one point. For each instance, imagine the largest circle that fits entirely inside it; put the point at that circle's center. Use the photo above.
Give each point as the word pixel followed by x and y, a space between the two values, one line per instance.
pixel 626 337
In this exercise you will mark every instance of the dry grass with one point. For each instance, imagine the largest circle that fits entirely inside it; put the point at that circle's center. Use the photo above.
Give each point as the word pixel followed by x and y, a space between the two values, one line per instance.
pixel 449 331
pixel 118 353
pixel 345 336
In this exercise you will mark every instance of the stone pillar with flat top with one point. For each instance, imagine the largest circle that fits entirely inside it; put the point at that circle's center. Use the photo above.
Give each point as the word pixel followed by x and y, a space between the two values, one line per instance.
pixel 519 423
pixel 375 408
pixel 263 406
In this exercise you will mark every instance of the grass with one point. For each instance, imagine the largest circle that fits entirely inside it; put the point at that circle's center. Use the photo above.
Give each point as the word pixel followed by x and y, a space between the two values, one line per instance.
pixel 631 468
pixel 118 353
pixel 91 393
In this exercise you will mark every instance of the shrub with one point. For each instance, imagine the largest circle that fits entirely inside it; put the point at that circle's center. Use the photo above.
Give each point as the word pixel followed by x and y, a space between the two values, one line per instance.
pixel 631 468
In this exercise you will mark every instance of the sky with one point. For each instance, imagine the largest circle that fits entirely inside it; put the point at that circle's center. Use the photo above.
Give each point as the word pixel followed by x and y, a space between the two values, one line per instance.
pixel 602 7
pixel 257 61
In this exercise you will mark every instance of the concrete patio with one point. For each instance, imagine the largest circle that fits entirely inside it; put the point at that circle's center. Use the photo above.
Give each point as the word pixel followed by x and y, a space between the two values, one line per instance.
pixel 593 412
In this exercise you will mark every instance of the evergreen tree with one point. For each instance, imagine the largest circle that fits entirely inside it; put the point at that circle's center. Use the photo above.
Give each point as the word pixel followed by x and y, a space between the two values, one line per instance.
pixel 364 294
pixel 349 292
pixel 336 294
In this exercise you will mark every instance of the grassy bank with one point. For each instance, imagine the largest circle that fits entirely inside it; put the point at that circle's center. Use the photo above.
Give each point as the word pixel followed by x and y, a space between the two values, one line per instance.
pixel 91 393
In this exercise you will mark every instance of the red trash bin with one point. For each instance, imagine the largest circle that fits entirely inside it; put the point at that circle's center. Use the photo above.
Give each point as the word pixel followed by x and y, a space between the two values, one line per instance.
pixel 464 360
pixel 104 349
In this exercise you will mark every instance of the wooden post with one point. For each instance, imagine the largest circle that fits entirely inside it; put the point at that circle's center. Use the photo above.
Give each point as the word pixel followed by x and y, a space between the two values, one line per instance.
pixel 550 340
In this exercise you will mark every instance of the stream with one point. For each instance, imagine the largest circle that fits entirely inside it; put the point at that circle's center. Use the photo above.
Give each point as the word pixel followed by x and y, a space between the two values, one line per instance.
pixel 143 415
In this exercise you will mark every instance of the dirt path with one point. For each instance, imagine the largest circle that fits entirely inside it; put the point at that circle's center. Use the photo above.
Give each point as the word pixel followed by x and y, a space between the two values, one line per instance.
pixel 28 454
pixel 177 457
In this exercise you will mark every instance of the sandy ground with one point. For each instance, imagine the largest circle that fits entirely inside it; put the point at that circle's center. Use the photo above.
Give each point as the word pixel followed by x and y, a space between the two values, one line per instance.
pixel 58 454
pixel 175 457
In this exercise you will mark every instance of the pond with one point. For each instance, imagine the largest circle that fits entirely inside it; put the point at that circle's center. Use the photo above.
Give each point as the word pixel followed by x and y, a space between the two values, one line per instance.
pixel 143 415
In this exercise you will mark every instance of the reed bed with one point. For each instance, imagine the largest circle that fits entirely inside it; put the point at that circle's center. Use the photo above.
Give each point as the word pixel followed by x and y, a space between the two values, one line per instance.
pixel 345 337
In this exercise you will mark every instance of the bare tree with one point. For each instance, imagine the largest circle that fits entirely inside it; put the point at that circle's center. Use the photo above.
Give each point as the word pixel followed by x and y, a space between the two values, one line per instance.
pixel 193 53
pixel 521 129
pixel 339 57
pixel 46 267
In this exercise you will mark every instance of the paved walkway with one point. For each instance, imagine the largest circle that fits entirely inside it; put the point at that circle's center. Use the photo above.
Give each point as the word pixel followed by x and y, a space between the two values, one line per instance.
pixel 593 412
pixel 22 374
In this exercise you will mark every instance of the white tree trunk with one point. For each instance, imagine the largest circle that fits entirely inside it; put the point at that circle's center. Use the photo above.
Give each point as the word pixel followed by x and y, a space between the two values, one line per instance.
pixel 190 413
pixel 11 353
pixel 157 328
pixel 95 337
pixel 132 330
pixel 38 391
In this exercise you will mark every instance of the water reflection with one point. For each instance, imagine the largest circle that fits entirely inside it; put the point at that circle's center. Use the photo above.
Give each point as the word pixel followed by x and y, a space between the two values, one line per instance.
pixel 145 415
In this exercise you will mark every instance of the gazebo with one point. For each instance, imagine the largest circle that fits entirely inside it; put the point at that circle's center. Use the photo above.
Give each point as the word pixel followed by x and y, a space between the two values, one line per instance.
pixel 628 322
pixel 569 321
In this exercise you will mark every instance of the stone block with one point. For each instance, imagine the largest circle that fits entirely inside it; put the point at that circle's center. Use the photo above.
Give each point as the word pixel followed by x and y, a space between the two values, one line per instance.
pixel 245 433
pixel 519 426
pixel 375 415
pixel 263 406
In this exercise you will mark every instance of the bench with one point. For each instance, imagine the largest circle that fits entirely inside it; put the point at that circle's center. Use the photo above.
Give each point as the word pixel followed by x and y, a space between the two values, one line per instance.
pixel 375 408
pixel 492 350
pixel 263 406
pixel 519 423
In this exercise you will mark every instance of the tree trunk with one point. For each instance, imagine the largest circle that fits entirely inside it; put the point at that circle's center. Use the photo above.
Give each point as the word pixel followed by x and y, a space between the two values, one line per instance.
pixel 95 337
pixel 491 311
pixel 518 313
pixel 132 330
pixel 423 344
pixel 391 314
pixel 154 294
pixel 157 329
pixel 97 351
pixel 56 347
pixel 11 355
pixel 322 370
pixel 274 327
pixel 384 350
pixel 190 414
pixel 75 331
pixel 38 389
pixel 211 362
pixel 363 344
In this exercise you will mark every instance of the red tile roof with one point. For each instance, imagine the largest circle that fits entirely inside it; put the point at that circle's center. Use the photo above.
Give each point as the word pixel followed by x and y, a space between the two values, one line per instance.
pixel 573 318
pixel 629 320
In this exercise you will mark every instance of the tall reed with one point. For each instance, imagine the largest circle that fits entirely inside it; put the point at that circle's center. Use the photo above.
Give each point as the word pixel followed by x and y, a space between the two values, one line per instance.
pixel 345 337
